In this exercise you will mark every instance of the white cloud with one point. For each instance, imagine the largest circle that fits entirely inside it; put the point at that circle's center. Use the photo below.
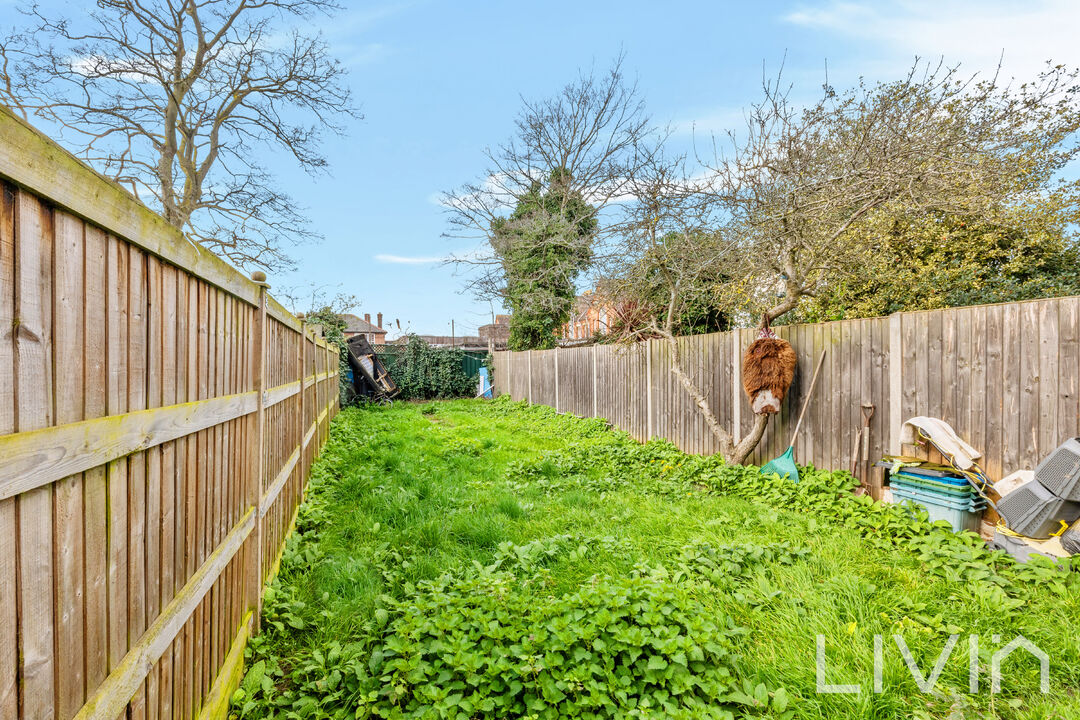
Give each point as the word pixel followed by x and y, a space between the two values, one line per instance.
pixel 975 33
pixel 438 199
pixel 345 29
pixel 408 260
pixel 362 19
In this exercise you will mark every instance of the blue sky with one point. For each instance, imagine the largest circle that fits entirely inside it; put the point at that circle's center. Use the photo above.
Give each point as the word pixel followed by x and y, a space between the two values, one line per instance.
pixel 439 81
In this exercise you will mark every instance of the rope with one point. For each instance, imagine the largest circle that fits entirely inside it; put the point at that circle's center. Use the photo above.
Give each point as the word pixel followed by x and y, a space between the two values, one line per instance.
pixel 974 475
pixel 1004 530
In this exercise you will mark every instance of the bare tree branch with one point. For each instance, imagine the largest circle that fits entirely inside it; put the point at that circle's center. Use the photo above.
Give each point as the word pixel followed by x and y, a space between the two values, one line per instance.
pixel 178 98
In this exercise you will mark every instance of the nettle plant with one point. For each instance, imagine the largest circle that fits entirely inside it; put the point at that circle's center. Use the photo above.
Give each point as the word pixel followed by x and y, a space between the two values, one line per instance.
pixel 481 647
pixel 492 641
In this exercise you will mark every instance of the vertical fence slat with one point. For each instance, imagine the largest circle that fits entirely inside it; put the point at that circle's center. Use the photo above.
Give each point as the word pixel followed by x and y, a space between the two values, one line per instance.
pixel 257 478
pixel 96 508
pixel 9 649
pixel 1029 384
pixel 188 301
pixel 154 369
pixel 994 437
pixel 68 493
pixel 879 396
pixel 1049 388
pixel 116 472
pixel 137 465
pixel 33 396
pixel 1069 367
pixel 167 314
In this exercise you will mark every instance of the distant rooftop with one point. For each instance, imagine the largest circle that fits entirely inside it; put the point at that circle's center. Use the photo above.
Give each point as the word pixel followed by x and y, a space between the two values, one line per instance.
pixel 356 324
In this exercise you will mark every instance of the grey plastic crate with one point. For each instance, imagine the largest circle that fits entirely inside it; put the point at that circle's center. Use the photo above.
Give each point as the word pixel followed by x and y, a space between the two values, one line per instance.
pixel 1019 548
pixel 1059 472
pixel 1070 541
pixel 1033 511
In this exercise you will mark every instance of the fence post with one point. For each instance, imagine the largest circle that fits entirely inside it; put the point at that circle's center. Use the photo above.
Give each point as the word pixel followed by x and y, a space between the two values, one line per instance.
pixel 556 379
pixel 594 383
pixel 896 378
pixel 530 377
pixel 324 432
pixel 736 386
pixel 303 399
pixel 648 391
pixel 256 489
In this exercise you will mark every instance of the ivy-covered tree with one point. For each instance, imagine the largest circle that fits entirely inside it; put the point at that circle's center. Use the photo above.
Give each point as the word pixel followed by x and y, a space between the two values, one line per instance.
pixel 935 260
pixel 543 246
pixel 572 156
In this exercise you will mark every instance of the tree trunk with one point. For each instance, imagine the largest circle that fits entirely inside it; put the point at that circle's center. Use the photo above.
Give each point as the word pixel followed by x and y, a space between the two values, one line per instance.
pixel 748 443
pixel 733 453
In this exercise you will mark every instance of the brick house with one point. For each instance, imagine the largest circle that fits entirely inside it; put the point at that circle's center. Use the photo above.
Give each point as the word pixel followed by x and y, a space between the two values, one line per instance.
pixel 354 326
pixel 497 332
pixel 589 318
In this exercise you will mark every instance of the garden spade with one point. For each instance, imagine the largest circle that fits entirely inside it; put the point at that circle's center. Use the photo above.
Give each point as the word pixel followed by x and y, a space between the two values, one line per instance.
pixel 785 464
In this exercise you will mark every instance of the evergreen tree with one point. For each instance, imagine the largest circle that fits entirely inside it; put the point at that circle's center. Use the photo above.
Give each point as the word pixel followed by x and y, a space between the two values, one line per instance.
pixel 934 260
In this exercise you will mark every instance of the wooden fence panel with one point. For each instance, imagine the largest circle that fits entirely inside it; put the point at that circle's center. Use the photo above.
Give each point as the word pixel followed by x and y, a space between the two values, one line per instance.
pixel 636 359
pixel 1006 377
pixel 542 377
pixel 574 370
pixel 501 369
pixel 138 432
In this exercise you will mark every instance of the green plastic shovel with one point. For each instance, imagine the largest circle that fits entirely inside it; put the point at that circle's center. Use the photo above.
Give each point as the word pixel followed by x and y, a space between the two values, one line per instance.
pixel 784 466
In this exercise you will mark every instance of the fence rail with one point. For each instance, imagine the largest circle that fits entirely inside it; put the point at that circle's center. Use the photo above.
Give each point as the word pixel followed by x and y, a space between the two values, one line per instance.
pixel 159 413
pixel 1004 376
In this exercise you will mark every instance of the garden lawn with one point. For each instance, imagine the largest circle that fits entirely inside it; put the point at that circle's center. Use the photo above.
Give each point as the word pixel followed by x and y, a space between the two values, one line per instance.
pixel 476 559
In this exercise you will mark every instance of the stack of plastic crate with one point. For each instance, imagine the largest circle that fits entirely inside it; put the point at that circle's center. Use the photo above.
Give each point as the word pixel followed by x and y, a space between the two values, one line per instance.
pixel 945 496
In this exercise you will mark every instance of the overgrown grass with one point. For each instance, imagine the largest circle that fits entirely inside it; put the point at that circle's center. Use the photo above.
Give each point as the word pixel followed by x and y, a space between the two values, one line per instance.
pixel 478 559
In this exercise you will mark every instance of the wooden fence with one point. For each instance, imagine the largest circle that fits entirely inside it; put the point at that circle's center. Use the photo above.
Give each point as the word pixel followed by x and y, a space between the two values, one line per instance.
pixel 158 416
pixel 1004 376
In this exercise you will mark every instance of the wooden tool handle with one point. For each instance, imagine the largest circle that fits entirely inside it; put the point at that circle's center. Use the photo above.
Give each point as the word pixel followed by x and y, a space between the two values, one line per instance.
pixel 809 394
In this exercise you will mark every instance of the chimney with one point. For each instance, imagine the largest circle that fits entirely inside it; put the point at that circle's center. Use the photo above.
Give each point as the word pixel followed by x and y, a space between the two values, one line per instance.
pixel 367 317
pixel 379 324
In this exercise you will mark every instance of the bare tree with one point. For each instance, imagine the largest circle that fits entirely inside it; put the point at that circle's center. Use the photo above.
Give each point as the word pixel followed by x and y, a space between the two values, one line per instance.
pixel 571 156
pixel 776 216
pixel 675 254
pixel 799 180
pixel 312 298
pixel 177 99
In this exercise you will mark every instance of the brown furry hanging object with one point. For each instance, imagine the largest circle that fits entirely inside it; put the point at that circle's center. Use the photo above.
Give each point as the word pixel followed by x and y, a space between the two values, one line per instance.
pixel 767 371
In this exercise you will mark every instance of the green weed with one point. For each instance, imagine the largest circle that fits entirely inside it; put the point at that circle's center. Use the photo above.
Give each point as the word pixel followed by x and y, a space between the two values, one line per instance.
pixel 507 561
